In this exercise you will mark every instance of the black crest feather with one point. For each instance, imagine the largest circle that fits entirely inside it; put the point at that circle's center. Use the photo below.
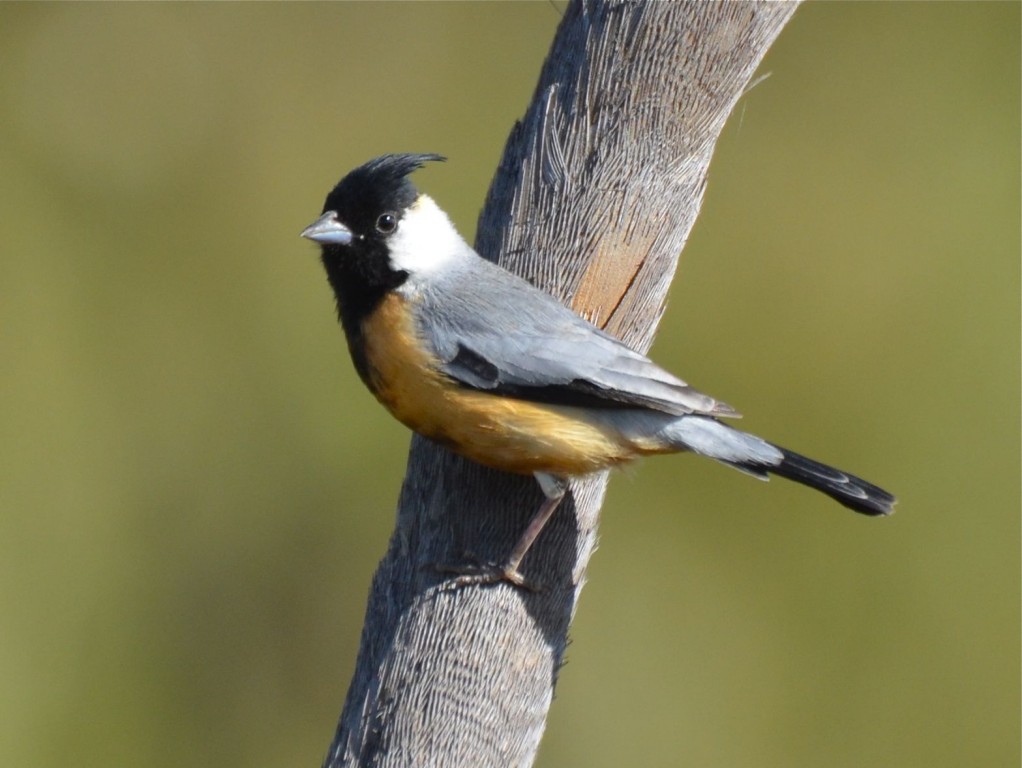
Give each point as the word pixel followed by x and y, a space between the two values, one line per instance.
pixel 379 185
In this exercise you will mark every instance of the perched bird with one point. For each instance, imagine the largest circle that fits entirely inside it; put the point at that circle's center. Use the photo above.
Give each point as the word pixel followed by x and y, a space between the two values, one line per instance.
pixel 478 360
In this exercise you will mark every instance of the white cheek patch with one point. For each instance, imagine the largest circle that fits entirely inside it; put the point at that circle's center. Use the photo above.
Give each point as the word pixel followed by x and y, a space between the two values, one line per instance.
pixel 426 240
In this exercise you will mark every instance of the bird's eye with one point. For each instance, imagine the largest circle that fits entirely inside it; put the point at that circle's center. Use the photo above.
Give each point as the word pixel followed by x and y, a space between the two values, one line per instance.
pixel 386 224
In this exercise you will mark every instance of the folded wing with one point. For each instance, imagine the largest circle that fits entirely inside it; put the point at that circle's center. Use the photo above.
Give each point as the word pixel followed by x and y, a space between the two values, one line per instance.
pixel 526 344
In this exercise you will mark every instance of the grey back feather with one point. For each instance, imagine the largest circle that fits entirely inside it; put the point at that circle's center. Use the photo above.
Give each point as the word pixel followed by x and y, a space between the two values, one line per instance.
pixel 494 331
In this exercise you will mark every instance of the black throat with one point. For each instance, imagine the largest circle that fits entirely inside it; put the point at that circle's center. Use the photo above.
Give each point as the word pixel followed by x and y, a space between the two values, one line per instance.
pixel 359 284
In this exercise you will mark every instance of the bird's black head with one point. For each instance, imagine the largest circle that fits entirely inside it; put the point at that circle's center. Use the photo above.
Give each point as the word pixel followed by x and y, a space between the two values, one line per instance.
pixel 359 217
pixel 374 190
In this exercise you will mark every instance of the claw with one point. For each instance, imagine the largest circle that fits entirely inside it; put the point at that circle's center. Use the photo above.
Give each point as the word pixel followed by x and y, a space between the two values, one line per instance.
pixel 485 574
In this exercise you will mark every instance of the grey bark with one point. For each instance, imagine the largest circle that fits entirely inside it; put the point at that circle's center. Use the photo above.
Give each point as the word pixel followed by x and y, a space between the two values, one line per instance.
pixel 593 200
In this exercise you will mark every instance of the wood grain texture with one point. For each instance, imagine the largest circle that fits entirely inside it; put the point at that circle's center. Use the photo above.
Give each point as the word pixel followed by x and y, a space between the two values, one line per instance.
pixel 595 195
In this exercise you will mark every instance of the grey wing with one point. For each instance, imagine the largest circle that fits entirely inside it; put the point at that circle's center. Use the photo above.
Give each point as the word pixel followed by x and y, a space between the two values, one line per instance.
pixel 495 332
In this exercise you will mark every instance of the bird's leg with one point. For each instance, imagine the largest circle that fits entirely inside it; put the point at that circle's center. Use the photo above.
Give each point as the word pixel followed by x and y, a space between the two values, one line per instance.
pixel 554 488
pixel 554 492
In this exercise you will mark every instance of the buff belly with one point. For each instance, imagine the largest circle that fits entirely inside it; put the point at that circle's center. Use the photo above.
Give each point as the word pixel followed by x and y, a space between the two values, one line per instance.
pixel 507 434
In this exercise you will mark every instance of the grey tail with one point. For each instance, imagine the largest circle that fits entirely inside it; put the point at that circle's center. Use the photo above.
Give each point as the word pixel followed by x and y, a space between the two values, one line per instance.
pixel 755 456
pixel 848 490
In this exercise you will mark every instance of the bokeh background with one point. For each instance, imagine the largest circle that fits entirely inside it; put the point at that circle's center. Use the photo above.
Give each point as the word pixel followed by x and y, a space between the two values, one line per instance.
pixel 195 488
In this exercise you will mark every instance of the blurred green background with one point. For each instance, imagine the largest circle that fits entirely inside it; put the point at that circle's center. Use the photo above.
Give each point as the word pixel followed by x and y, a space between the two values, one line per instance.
pixel 195 488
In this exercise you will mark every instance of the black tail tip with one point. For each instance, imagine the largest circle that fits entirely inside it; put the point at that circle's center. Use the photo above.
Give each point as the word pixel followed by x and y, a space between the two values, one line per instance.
pixel 848 490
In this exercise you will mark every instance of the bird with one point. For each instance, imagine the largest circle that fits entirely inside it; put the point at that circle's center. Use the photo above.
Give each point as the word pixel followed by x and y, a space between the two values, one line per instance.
pixel 479 360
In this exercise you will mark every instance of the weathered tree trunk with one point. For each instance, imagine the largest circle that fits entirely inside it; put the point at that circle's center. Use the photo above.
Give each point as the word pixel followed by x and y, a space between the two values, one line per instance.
pixel 593 200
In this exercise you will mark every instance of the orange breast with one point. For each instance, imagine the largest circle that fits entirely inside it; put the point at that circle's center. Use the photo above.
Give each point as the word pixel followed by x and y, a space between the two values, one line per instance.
pixel 507 434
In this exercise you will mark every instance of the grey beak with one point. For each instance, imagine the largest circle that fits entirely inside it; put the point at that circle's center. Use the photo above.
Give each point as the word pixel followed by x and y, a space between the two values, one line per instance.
pixel 327 230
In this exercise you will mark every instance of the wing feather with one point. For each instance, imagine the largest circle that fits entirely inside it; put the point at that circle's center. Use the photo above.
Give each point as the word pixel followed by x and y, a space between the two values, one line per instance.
pixel 495 332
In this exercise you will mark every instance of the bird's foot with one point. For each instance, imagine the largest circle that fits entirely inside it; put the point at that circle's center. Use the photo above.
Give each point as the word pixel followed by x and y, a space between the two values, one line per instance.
pixel 484 574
